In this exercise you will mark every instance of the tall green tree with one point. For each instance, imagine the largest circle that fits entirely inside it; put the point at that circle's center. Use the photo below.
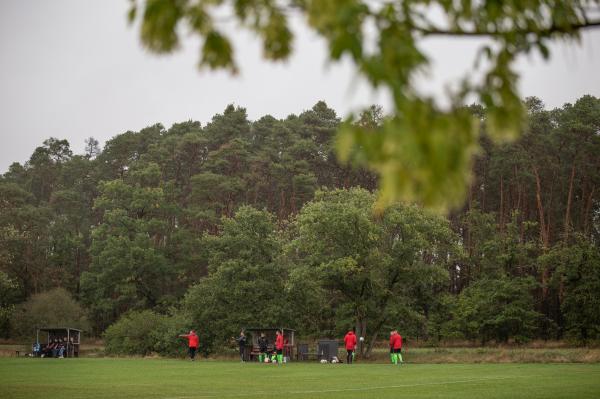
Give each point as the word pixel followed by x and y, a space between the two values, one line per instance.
pixel 378 272
pixel 245 285
pixel 129 269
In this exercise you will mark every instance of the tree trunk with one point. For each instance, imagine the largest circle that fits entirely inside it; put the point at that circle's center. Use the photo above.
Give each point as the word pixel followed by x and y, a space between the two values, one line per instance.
pixel 371 344
pixel 540 206
pixel 544 239
pixel 77 270
pixel 361 331
pixel 588 208
pixel 470 196
pixel 281 204
pixel 501 204
pixel 569 202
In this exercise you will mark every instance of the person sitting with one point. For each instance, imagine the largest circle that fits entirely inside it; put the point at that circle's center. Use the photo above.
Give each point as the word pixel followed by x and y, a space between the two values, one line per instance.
pixel 273 356
pixel 62 346
pixel 49 348
pixel 56 347
pixel 36 349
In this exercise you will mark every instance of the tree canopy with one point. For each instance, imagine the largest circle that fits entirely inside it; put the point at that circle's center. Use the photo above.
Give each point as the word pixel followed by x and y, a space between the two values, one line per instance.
pixel 238 223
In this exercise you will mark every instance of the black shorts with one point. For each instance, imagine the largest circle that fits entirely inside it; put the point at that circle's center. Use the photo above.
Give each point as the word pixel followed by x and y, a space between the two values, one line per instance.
pixel 280 351
pixel 399 350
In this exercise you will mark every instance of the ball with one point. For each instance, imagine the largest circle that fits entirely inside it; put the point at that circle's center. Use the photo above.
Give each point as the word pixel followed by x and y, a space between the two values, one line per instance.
pixel 361 339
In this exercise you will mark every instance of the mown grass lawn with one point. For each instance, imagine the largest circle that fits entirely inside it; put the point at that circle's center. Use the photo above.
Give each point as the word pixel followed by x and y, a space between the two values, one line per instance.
pixel 161 378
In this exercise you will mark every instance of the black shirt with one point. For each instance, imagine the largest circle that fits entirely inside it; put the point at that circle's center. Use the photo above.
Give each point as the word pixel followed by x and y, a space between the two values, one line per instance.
pixel 263 343
pixel 241 340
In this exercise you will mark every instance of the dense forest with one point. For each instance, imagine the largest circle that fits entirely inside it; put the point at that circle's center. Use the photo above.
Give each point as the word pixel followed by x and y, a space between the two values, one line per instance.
pixel 243 223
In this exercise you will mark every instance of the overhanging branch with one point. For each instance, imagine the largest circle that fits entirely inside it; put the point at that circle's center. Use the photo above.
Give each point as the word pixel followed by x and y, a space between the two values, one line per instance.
pixel 432 31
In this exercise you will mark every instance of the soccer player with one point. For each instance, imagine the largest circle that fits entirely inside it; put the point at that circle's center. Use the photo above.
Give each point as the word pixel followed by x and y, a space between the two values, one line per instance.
pixel 396 343
pixel 279 346
pixel 242 343
pixel 192 343
pixel 263 345
pixel 350 343
pixel 392 346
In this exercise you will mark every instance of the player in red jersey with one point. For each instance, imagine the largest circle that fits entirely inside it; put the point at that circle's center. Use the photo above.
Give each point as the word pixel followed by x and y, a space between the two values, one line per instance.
pixel 279 346
pixel 350 343
pixel 193 342
pixel 396 347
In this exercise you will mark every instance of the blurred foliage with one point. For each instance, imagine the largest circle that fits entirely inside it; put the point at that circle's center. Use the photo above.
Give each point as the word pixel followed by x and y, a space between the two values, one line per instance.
pixel 422 152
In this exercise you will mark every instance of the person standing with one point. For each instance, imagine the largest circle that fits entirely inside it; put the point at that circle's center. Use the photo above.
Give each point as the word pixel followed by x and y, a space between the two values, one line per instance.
pixel 279 346
pixel 242 343
pixel 392 337
pixel 350 343
pixel 263 345
pixel 397 346
pixel 192 343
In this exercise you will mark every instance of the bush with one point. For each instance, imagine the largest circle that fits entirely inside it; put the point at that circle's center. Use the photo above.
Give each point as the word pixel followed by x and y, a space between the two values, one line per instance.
pixel 9 291
pixel 54 308
pixel 498 309
pixel 145 332
pixel 165 335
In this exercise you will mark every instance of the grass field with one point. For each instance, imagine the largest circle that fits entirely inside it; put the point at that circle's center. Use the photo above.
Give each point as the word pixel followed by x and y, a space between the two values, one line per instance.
pixel 160 378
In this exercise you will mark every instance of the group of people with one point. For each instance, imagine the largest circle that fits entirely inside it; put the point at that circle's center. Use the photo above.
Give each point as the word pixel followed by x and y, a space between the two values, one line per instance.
pixel 55 348
pixel 265 355
pixel 276 354
pixel 350 343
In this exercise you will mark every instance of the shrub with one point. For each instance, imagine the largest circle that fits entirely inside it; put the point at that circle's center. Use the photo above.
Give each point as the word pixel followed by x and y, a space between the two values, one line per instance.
pixel 54 308
pixel 498 309
pixel 165 335
pixel 9 290
pixel 144 332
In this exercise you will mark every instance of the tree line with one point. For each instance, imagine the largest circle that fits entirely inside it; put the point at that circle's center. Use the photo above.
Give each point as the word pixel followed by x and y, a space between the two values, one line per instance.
pixel 244 223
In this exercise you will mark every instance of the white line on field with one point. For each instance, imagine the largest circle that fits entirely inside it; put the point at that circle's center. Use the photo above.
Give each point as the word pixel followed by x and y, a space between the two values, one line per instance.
pixel 407 385
pixel 361 389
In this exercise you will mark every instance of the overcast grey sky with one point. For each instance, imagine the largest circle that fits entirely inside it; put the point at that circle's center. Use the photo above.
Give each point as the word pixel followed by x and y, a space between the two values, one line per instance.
pixel 74 68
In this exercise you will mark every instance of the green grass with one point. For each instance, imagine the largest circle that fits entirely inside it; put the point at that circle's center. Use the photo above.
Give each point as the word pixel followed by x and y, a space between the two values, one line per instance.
pixel 160 378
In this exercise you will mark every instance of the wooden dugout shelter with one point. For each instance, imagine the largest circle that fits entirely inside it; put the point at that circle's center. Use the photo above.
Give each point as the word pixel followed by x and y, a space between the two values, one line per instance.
pixel 72 335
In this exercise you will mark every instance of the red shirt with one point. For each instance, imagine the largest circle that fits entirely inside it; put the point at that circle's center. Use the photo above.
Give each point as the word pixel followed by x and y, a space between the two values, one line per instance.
pixel 192 340
pixel 279 342
pixel 396 341
pixel 350 341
